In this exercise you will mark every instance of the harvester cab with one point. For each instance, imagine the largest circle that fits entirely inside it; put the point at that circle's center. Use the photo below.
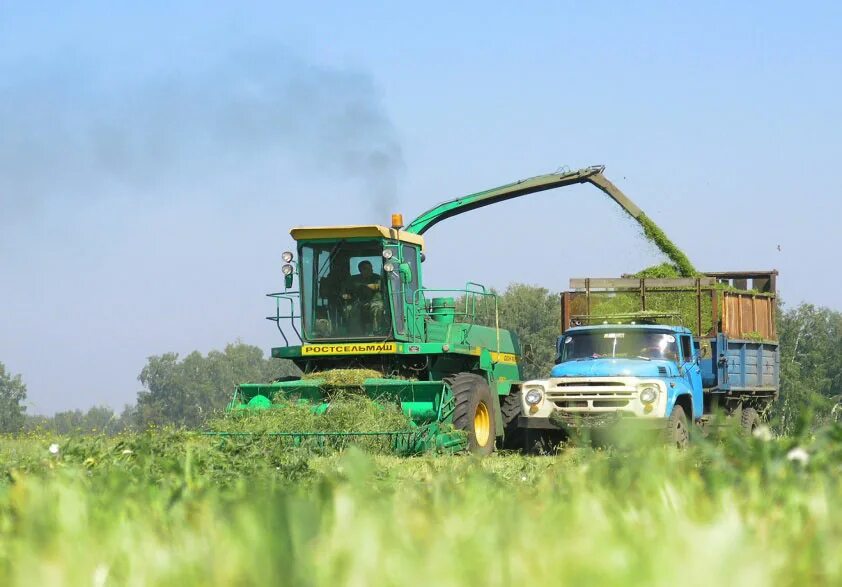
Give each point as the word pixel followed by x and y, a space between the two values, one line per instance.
pixel 367 324
pixel 358 283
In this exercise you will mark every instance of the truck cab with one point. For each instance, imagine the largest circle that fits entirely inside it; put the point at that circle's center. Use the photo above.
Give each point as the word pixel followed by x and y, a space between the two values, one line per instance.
pixel 608 372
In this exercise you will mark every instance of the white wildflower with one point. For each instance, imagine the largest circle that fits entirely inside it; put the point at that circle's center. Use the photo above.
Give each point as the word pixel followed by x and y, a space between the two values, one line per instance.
pixel 100 575
pixel 523 478
pixel 762 433
pixel 798 455
pixel 53 449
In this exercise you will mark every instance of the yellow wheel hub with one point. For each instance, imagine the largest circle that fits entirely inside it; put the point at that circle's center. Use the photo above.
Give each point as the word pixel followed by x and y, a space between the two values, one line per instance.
pixel 482 424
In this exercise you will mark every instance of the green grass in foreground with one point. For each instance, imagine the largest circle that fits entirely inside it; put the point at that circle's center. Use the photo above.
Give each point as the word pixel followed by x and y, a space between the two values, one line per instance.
pixel 177 508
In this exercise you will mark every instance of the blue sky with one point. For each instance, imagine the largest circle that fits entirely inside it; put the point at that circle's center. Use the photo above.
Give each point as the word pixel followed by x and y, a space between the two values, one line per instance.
pixel 154 157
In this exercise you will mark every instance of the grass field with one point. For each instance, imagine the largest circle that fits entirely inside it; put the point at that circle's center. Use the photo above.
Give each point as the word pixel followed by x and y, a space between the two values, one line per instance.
pixel 177 508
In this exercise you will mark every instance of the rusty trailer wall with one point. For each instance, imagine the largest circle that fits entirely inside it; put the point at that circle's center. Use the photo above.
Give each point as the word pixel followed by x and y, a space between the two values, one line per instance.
pixel 748 315
pixel 708 305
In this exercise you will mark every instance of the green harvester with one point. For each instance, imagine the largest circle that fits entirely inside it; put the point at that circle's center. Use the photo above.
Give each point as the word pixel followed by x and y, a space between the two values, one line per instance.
pixel 361 304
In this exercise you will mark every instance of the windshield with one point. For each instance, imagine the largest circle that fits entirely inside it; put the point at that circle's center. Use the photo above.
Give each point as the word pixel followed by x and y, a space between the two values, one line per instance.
pixel 343 290
pixel 626 344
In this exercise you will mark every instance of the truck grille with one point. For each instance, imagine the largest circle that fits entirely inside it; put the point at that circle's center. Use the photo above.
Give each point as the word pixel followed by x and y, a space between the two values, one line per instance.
pixel 571 404
pixel 581 396
pixel 588 383
pixel 610 403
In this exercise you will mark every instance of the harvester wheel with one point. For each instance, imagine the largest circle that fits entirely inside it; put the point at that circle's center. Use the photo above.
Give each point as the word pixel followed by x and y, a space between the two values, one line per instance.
pixel 749 421
pixel 511 409
pixel 474 411
pixel 677 433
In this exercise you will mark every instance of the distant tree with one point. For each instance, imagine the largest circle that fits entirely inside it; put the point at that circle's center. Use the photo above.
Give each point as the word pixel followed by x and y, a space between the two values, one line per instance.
pixel 97 420
pixel 68 422
pixel 36 422
pixel 102 419
pixel 533 313
pixel 187 391
pixel 811 365
pixel 12 396
pixel 128 417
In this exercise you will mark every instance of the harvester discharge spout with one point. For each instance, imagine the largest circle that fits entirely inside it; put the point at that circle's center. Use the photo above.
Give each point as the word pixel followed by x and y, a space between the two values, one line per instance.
pixel 592 174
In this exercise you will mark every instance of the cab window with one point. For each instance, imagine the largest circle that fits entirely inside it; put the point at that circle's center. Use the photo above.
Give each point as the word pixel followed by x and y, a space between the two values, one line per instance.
pixel 342 291
pixel 686 348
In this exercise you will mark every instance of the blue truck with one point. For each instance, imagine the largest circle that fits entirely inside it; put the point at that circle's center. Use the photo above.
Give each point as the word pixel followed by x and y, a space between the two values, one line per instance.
pixel 664 354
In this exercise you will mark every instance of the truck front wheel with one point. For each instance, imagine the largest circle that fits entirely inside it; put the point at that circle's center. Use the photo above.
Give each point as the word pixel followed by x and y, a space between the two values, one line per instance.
pixel 511 410
pixel 677 433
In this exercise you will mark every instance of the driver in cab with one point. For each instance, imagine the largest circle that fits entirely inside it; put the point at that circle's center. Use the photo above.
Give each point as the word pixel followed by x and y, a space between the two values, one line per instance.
pixel 364 284
pixel 662 349
pixel 363 294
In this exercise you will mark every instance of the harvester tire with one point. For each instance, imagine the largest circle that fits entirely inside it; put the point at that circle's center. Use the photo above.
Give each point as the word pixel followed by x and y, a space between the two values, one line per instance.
pixel 749 421
pixel 677 432
pixel 510 406
pixel 474 411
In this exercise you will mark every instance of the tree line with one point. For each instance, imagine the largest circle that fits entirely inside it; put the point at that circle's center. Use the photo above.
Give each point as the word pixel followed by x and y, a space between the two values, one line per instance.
pixel 180 391
pixel 184 391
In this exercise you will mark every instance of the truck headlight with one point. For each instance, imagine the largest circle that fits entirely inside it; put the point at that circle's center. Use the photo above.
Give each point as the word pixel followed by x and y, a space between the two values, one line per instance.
pixel 648 394
pixel 534 397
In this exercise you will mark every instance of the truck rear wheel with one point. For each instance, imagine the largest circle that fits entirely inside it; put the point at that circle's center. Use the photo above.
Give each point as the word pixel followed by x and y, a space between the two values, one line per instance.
pixel 474 412
pixel 749 421
pixel 677 433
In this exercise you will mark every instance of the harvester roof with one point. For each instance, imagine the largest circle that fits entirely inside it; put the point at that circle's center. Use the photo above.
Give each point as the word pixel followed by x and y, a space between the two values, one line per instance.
pixel 355 231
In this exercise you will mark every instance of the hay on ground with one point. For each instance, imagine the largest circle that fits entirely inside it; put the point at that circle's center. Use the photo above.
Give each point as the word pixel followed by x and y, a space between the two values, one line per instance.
pixel 348 414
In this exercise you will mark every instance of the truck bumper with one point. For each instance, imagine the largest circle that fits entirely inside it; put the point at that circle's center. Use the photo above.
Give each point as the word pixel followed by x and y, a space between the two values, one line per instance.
pixel 602 421
pixel 535 423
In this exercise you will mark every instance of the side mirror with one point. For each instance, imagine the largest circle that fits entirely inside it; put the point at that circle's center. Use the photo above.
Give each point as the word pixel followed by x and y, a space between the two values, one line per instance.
pixel 406 272
pixel 288 281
